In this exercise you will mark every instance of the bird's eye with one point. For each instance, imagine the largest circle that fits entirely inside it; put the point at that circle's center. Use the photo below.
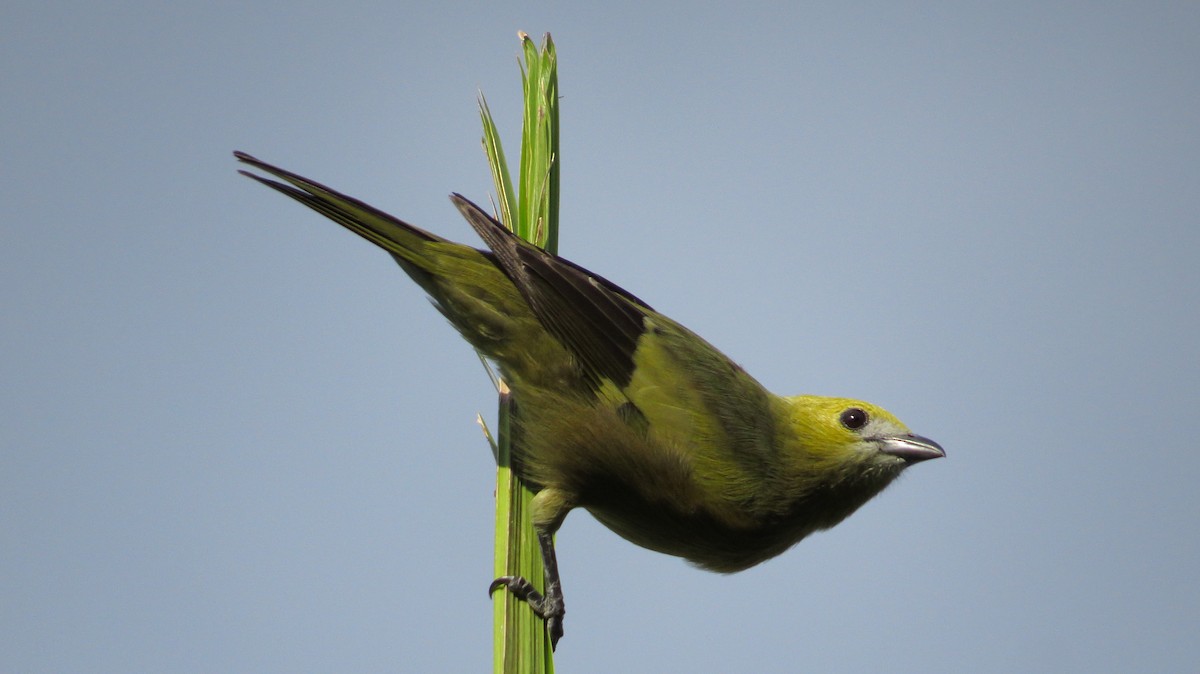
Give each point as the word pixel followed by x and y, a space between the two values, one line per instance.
pixel 854 418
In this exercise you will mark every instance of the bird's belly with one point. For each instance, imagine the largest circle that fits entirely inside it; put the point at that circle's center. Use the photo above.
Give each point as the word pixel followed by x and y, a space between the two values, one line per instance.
pixel 699 536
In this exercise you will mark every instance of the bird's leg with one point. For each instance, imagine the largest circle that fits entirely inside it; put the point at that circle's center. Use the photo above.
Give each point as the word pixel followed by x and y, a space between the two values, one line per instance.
pixel 548 607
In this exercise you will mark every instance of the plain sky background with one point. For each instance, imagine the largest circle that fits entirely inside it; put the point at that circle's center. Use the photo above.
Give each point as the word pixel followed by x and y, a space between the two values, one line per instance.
pixel 235 438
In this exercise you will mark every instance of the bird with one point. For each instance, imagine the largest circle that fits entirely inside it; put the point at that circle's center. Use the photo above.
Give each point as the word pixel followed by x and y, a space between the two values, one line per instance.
pixel 627 414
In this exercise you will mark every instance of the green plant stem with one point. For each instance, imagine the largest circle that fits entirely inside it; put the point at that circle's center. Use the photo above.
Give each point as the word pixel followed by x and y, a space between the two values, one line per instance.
pixel 520 640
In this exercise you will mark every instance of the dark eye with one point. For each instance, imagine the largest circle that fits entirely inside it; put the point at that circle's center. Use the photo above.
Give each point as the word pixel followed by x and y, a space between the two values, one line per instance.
pixel 854 418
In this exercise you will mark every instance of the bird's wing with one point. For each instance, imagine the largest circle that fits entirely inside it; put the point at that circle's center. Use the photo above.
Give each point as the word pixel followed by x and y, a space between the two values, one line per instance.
pixel 680 384
pixel 598 321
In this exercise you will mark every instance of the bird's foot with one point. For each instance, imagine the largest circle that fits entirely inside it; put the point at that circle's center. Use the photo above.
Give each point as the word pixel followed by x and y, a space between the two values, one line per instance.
pixel 548 607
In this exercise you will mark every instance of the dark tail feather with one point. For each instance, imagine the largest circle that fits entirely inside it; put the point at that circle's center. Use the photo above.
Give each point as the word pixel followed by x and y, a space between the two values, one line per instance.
pixel 405 242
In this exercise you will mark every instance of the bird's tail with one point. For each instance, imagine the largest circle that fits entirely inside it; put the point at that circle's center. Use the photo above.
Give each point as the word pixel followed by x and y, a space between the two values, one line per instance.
pixel 465 284
pixel 408 244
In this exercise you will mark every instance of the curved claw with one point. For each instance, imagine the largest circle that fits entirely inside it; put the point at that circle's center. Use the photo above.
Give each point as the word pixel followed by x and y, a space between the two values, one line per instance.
pixel 522 589
pixel 548 607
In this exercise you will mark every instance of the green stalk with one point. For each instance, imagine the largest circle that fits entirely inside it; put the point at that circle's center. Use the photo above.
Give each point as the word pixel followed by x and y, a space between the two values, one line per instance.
pixel 520 640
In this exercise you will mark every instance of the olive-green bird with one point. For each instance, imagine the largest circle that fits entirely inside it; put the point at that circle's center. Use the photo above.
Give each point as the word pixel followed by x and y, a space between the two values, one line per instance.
pixel 628 414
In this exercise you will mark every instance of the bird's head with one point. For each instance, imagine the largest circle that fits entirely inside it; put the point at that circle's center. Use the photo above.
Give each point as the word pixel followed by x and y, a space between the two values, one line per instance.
pixel 853 434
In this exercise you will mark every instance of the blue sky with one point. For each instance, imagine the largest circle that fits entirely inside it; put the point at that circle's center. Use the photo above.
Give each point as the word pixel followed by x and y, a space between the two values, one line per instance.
pixel 235 438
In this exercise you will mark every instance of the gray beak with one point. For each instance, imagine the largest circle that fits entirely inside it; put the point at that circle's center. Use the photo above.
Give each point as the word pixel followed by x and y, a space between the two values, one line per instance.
pixel 911 448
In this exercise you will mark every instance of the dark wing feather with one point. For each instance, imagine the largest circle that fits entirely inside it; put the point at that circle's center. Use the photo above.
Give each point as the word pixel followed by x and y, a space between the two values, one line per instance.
pixel 598 321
